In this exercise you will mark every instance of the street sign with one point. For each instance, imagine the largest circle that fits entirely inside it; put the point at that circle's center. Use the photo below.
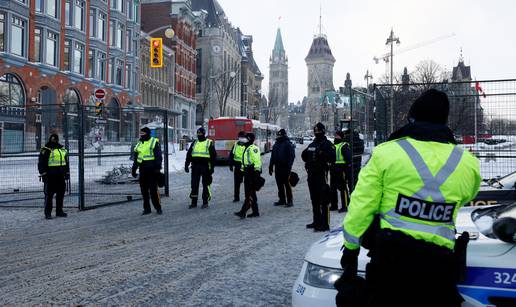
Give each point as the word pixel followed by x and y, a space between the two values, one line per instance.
pixel 100 121
pixel 100 93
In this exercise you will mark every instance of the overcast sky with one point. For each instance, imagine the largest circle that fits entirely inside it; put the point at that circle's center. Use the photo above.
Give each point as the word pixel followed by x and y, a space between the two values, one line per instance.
pixel 357 31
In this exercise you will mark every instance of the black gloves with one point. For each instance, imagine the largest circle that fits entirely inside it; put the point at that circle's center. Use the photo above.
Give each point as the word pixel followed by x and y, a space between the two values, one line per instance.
pixel 187 168
pixel 271 170
pixel 133 173
pixel 231 168
pixel 349 262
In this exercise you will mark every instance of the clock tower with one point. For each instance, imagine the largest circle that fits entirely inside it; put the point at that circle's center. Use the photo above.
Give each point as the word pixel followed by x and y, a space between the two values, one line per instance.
pixel 278 84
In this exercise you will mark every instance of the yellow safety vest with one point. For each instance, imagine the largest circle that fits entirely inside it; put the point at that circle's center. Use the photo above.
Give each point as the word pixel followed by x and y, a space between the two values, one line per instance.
pixel 145 150
pixel 57 157
pixel 415 187
pixel 238 152
pixel 251 156
pixel 338 150
pixel 201 149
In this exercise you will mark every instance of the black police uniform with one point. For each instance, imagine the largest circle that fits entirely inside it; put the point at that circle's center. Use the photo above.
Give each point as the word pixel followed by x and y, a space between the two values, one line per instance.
pixel 54 178
pixel 201 168
pixel 282 158
pixel 338 180
pixel 318 157
pixel 149 172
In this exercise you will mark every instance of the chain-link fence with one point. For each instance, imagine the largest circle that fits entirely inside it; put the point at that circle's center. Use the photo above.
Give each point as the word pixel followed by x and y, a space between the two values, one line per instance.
pixel 100 142
pixel 482 117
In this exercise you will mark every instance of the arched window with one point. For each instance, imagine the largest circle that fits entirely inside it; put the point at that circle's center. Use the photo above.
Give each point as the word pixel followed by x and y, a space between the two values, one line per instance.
pixel 47 97
pixel 113 125
pixel 71 101
pixel 12 92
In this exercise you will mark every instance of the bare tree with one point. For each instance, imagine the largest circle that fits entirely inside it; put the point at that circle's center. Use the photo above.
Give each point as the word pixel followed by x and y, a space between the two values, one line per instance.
pixel 223 85
pixel 272 111
pixel 427 73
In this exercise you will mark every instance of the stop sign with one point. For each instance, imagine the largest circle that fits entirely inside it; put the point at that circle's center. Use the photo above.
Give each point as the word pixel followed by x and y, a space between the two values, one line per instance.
pixel 100 93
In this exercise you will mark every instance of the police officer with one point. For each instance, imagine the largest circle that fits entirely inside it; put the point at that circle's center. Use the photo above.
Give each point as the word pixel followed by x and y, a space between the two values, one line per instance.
pixel 415 184
pixel 282 158
pixel 318 157
pixel 235 163
pixel 252 168
pixel 148 159
pixel 339 172
pixel 54 170
pixel 201 155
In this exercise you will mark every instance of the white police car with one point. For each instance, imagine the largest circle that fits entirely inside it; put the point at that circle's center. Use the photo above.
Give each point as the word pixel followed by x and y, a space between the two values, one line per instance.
pixel 491 274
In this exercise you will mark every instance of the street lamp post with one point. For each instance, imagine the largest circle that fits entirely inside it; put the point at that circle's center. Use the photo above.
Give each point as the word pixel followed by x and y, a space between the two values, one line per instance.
pixel 390 41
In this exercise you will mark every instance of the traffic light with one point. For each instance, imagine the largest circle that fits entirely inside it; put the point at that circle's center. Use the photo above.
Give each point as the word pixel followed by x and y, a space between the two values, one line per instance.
pixel 156 52
pixel 99 107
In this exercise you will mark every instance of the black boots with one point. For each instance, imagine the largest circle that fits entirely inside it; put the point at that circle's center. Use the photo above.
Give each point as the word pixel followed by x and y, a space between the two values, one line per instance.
pixel 254 214
pixel 279 203
pixel 204 206
pixel 61 214
pixel 289 204
pixel 312 225
pixel 240 214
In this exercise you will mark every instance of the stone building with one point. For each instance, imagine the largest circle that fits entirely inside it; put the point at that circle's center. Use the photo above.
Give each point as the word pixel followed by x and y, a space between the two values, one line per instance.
pixel 186 23
pixel 278 84
pixel 296 118
pixel 219 58
pixel 53 55
pixel 320 62
pixel 252 79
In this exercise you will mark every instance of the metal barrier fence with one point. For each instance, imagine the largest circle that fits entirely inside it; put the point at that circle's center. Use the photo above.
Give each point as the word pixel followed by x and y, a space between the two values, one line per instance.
pixel 482 117
pixel 100 142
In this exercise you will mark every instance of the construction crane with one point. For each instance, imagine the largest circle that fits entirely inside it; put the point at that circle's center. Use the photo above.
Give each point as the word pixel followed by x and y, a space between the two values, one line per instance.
pixel 386 57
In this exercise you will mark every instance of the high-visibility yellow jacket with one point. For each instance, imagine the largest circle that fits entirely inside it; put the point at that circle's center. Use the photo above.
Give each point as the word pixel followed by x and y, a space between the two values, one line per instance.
pixel 201 149
pixel 57 157
pixel 238 152
pixel 145 150
pixel 252 156
pixel 416 187
pixel 339 156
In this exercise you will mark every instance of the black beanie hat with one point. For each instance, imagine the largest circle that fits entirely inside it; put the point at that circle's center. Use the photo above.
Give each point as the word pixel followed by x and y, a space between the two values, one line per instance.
pixel 432 106
pixel 54 136
pixel 250 136
pixel 241 134
pixel 281 132
pixel 201 131
pixel 320 127
pixel 146 130
pixel 340 133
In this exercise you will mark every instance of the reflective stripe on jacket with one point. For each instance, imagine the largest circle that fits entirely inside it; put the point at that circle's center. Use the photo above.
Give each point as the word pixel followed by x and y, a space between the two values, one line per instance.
pixel 416 187
pixel 338 151
pixel 57 157
pixel 238 152
pixel 252 156
pixel 201 149
pixel 145 150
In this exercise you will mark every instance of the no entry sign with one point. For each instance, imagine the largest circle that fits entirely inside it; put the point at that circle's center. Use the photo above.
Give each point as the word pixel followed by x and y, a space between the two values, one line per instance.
pixel 100 93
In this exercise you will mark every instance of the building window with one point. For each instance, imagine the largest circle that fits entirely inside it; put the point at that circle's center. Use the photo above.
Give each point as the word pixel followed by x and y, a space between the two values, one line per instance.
pixel 37 45
pixel 18 36
pixel 128 74
pixel 101 26
pixel 91 63
pixel 21 1
pixel 78 58
pixel 101 66
pixel 117 5
pixel 92 23
pixel 39 6
pixel 67 55
pixel 11 91
pixel 51 8
pixel 184 119
pixel 2 32
pixel 128 41
pixel 129 9
pixel 68 13
pixel 51 49
pixel 118 72
pixel 120 36
pixel 79 15
pixel 112 36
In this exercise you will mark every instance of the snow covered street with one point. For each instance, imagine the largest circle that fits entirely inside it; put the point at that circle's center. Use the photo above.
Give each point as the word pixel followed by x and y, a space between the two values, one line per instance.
pixel 115 256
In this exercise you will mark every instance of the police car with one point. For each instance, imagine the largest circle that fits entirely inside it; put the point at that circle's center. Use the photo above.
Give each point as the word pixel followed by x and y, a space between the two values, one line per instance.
pixel 491 274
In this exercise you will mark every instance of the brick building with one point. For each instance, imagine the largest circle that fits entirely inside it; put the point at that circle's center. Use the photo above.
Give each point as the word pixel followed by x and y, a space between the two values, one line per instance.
pixel 54 54
pixel 186 23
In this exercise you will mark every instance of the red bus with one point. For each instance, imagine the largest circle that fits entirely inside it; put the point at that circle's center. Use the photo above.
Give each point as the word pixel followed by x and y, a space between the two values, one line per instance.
pixel 224 132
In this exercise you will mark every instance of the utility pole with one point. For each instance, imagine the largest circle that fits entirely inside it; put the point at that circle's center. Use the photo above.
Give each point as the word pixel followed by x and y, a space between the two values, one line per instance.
pixel 367 77
pixel 390 41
